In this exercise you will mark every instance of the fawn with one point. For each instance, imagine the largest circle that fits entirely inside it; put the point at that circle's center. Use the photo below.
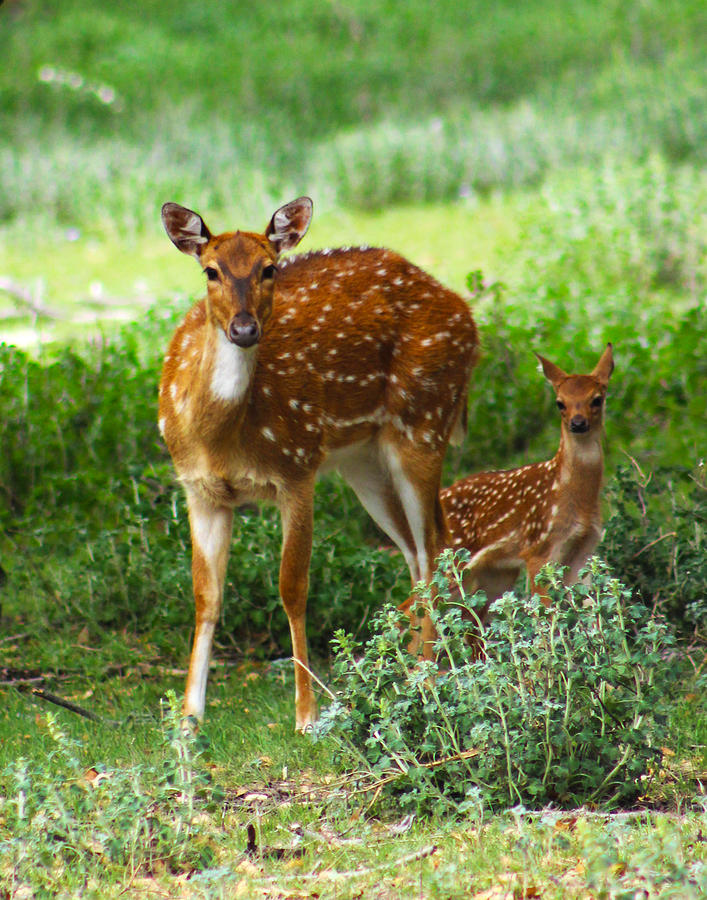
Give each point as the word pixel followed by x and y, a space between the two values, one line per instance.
pixel 544 512
pixel 352 359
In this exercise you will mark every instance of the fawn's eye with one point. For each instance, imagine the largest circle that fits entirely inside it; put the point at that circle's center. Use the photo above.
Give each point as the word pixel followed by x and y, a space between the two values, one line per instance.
pixel 211 273
pixel 560 405
pixel 596 402
pixel 268 272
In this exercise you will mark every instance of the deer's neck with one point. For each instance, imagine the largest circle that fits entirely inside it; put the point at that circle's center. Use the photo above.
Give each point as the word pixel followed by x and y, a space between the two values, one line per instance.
pixel 208 380
pixel 580 462
pixel 227 369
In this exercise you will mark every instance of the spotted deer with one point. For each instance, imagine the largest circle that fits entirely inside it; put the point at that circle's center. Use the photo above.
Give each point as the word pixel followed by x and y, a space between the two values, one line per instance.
pixel 350 359
pixel 544 512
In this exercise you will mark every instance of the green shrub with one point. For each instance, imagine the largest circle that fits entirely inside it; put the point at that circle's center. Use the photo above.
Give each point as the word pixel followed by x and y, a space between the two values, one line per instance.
pixel 349 576
pixel 63 822
pixel 656 540
pixel 559 706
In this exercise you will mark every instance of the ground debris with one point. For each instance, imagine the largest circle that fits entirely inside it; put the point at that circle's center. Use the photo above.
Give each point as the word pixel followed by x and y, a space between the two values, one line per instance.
pixel 265 797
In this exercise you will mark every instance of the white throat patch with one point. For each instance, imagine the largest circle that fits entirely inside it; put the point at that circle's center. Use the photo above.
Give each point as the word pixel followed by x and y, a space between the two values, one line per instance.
pixel 232 369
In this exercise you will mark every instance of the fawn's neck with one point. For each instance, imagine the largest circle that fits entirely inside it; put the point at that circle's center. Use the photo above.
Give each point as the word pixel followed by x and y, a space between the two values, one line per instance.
pixel 580 462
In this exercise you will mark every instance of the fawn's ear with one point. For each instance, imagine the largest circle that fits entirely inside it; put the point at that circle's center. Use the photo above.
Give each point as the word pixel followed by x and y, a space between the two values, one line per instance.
pixel 605 366
pixel 289 224
pixel 186 229
pixel 553 373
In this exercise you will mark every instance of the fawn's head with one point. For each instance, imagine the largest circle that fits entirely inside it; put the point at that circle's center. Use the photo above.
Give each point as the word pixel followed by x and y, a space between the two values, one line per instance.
pixel 240 266
pixel 580 398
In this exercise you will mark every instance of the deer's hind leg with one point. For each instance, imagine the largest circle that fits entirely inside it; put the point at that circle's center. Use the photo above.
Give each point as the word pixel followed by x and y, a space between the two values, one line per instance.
pixel 415 476
pixel 369 476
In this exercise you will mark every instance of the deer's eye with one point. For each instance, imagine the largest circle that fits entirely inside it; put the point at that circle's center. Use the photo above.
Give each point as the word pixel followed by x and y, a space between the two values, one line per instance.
pixel 268 272
pixel 211 273
pixel 596 402
pixel 561 406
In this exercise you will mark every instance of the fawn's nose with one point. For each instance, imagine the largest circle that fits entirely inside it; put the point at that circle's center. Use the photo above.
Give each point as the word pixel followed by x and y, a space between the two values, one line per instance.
pixel 579 424
pixel 243 330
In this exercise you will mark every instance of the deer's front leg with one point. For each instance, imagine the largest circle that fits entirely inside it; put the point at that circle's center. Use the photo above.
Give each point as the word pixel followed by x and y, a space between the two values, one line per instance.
pixel 211 528
pixel 297 517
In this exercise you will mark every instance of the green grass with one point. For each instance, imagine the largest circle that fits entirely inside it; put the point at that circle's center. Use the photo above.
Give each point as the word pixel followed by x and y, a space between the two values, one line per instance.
pixel 266 770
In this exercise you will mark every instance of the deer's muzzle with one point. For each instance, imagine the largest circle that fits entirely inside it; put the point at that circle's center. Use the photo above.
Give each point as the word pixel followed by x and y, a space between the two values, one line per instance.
pixel 243 330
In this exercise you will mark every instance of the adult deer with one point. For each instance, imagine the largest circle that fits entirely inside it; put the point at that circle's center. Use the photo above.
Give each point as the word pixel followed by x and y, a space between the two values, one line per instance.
pixel 352 359
pixel 544 512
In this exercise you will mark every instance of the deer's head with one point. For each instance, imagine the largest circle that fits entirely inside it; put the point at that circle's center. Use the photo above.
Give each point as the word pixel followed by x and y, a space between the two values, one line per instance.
pixel 240 266
pixel 580 398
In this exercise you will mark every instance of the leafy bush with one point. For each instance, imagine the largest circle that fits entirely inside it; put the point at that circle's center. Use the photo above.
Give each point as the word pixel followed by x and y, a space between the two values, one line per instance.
pixel 656 539
pixel 545 706
pixel 62 823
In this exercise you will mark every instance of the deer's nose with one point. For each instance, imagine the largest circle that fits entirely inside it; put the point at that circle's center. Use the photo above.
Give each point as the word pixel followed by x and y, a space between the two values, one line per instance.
pixel 243 330
pixel 579 424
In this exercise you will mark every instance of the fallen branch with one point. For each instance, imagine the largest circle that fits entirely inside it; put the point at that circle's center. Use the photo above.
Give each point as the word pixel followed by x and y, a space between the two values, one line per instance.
pixel 333 875
pixel 66 704
pixel 23 297
pixel 435 763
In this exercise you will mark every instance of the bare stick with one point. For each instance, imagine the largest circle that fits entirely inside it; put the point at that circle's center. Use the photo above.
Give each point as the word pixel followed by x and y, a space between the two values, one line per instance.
pixel 67 704
pixel 357 873
pixel 24 297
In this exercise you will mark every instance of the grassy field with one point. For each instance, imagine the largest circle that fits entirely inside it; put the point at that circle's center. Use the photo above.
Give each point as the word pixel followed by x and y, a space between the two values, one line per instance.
pixel 558 151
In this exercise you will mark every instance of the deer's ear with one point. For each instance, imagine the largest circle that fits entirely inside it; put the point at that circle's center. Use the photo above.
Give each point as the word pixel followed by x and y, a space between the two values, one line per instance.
pixel 289 224
pixel 553 373
pixel 185 228
pixel 605 366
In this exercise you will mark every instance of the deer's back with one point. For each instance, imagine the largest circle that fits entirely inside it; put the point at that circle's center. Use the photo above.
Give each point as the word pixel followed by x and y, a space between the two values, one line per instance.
pixel 510 507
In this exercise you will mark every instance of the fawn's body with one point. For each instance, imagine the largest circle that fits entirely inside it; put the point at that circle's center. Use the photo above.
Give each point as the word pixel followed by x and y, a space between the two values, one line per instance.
pixel 351 359
pixel 544 512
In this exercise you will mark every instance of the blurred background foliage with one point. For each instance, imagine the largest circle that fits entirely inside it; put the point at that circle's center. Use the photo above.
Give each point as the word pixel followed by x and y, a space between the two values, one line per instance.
pixel 106 109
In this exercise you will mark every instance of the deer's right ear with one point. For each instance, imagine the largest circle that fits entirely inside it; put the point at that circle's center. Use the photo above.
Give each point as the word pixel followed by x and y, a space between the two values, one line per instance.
pixel 605 366
pixel 289 224
pixel 186 229
pixel 553 373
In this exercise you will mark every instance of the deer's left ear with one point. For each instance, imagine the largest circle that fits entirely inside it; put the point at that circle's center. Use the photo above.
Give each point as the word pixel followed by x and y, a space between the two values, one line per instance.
pixel 553 373
pixel 605 366
pixel 289 224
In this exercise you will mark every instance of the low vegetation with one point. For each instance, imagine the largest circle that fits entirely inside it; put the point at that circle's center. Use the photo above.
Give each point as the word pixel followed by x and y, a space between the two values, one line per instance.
pixel 540 707
pixel 401 107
